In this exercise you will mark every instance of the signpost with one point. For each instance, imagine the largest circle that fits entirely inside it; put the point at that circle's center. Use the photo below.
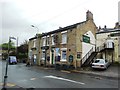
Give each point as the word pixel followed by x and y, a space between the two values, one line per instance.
pixel 6 69
pixel 86 39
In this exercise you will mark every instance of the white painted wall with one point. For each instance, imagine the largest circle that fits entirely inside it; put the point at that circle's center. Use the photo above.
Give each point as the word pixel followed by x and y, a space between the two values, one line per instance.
pixel 101 38
pixel 87 46
pixel 92 37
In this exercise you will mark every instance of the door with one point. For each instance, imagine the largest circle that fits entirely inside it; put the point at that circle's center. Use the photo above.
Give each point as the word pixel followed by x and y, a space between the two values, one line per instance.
pixel 52 57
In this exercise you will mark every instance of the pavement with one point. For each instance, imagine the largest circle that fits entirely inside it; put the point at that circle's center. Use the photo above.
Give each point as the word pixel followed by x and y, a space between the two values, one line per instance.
pixel 112 72
pixel 10 86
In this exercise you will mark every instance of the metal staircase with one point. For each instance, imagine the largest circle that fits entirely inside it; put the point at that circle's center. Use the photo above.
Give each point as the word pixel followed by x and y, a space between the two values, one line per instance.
pixel 104 47
pixel 88 58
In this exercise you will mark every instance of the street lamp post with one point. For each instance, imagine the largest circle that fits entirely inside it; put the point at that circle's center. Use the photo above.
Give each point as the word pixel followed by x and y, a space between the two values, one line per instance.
pixel 35 27
pixel 37 40
pixel 6 69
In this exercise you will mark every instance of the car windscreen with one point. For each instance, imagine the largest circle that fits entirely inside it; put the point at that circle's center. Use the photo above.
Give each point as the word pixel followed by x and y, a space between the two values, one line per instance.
pixel 99 61
pixel 12 58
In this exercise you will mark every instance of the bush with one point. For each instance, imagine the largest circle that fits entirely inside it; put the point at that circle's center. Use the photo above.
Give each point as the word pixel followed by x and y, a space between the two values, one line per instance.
pixel 22 56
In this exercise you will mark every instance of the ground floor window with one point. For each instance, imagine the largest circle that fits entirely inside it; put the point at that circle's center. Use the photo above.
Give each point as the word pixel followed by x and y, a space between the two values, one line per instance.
pixel 64 55
pixel 34 58
pixel 57 54
pixel 43 55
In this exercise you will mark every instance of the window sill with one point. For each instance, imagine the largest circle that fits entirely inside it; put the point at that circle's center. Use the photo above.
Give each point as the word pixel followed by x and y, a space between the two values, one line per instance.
pixel 63 60
pixel 63 43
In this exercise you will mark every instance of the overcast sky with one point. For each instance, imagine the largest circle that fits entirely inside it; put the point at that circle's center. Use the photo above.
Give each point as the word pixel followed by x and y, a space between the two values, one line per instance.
pixel 17 16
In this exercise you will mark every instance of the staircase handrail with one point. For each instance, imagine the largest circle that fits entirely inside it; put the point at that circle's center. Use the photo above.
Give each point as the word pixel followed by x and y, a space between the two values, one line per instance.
pixel 86 56
pixel 102 47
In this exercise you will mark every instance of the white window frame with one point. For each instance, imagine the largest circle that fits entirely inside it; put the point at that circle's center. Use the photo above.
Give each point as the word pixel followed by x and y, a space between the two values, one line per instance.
pixel 48 40
pixel 52 39
pixel 64 37
pixel 63 49
pixel 43 55
pixel 44 41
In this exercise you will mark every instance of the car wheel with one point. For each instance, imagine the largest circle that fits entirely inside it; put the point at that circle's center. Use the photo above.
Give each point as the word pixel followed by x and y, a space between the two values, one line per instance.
pixel 105 68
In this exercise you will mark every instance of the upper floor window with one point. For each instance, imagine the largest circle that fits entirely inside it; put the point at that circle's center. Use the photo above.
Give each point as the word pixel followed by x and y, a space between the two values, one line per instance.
pixel 64 38
pixel 53 40
pixel 44 41
pixel 48 40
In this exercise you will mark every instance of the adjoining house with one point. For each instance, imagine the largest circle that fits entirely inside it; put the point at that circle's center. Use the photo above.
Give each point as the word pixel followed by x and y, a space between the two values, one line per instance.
pixel 33 49
pixel 108 43
pixel 70 45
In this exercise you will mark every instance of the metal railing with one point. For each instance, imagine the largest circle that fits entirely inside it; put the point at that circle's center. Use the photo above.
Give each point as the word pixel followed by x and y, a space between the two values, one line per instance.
pixel 86 56
pixel 98 49
pixel 104 46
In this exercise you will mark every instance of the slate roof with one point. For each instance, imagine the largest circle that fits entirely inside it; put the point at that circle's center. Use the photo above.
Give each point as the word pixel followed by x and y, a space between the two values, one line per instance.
pixel 65 28
pixel 107 30
pixel 60 30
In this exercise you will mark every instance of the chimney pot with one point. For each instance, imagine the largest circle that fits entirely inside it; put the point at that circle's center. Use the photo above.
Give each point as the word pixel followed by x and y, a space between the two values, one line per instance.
pixel 89 15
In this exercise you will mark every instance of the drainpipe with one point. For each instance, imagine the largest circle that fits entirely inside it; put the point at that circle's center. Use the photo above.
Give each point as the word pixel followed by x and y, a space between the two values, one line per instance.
pixel 45 50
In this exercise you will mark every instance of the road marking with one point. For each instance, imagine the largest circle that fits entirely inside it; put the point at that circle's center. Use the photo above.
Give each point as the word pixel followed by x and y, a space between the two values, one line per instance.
pixel 54 77
pixel 98 78
pixel 65 71
pixel 32 78
pixel 9 84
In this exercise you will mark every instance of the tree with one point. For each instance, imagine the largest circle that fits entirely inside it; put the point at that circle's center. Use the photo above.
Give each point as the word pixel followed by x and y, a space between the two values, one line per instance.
pixel 22 50
pixel 4 46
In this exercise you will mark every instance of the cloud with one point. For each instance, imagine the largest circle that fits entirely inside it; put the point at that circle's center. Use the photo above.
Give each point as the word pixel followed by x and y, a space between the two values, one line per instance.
pixel 13 24
pixel 119 12
pixel 18 15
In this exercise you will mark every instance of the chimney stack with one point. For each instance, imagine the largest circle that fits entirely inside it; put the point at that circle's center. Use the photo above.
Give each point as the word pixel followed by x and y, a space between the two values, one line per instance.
pixel 89 15
pixel 117 25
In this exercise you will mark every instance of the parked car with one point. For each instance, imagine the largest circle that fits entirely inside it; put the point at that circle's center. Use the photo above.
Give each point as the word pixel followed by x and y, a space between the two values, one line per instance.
pixel 12 60
pixel 100 64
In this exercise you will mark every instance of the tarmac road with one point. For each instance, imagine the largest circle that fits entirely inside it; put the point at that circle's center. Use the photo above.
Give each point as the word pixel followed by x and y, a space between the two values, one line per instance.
pixel 38 77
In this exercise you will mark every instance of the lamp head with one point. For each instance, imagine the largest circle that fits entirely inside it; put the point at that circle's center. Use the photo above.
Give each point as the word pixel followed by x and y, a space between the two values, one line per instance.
pixel 32 26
